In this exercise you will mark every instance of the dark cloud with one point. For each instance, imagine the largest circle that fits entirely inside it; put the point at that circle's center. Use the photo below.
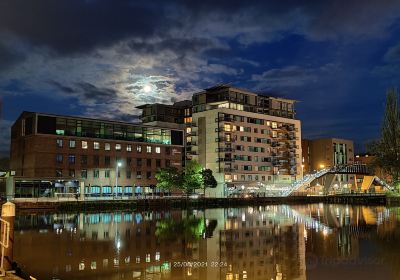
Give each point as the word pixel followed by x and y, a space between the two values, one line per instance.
pixel 175 45
pixel 61 87
pixel 78 26
pixel 287 77
pixel 9 57
pixel 93 93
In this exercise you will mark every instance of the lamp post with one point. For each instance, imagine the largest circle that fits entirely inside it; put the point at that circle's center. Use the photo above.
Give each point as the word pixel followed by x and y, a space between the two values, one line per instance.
pixel 119 164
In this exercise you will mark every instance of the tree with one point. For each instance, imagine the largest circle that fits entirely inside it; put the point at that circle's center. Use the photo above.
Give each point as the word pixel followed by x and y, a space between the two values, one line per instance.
pixel 192 177
pixel 387 148
pixel 208 179
pixel 168 178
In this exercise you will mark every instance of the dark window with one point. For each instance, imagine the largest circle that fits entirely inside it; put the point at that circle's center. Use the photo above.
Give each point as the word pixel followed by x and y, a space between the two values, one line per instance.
pixel 148 174
pixel 158 162
pixel 148 162
pixel 59 158
pixel 96 160
pixel 72 172
pixel 96 173
pixel 167 163
pixel 176 137
pixel 107 160
pixel 71 159
pixel 83 159
pixel 139 162
pixel 59 173
pixel 128 161
pixel 168 150
pixel 128 174
pixel 46 125
pixel 29 126
pixel 84 173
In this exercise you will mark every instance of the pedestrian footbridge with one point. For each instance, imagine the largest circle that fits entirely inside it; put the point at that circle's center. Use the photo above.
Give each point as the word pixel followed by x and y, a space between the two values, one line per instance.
pixel 305 182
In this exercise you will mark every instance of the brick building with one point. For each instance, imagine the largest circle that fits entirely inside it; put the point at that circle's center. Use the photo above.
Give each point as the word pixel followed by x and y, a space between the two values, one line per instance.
pixel 54 154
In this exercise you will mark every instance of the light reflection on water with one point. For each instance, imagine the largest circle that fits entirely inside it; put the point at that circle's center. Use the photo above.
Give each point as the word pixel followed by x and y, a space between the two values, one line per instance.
pixel 318 241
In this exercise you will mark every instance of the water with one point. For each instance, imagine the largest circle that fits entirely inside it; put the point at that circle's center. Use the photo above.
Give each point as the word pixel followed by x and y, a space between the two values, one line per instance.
pixel 316 241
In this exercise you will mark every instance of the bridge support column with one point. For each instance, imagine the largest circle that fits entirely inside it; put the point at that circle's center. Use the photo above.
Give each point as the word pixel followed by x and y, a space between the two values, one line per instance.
pixel 8 215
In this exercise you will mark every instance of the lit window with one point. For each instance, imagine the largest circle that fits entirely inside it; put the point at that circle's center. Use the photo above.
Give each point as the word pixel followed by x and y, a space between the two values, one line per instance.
pixel 148 149
pixel 158 150
pixel 118 147
pixel 157 256
pixel 274 125
pixel 139 149
pixel 137 259
pixel 129 148
pixel 96 145
pixel 107 146
pixel 93 265
pixel 147 257
pixel 72 143
pixel 81 266
pixel 188 130
pixel 84 145
pixel 227 127
pixel 59 143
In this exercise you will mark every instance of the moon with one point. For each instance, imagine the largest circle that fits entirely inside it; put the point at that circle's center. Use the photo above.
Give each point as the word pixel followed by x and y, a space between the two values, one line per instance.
pixel 147 88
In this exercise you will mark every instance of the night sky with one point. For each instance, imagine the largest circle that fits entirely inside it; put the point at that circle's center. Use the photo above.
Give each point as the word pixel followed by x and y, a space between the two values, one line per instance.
pixel 94 58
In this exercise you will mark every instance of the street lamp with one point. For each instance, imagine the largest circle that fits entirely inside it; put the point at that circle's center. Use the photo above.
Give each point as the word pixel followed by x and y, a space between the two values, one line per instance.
pixel 119 164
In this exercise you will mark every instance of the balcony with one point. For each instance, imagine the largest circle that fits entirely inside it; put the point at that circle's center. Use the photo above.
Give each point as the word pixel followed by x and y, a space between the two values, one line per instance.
pixel 222 150
pixel 224 119
pixel 224 139
pixel 227 169
pixel 192 124
pixel 225 160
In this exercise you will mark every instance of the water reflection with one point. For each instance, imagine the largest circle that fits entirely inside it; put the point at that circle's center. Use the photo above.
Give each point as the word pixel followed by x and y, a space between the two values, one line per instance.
pixel 269 242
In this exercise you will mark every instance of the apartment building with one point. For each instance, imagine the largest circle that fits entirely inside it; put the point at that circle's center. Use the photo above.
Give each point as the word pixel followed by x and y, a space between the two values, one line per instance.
pixel 248 140
pixel 326 152
pixel 52 154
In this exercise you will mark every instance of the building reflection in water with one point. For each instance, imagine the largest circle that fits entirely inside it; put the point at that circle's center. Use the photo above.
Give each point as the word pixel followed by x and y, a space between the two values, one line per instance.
pixel 269 242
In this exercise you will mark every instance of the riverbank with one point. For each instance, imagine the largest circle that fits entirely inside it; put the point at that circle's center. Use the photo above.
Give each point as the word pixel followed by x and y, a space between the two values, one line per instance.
pixel 182 202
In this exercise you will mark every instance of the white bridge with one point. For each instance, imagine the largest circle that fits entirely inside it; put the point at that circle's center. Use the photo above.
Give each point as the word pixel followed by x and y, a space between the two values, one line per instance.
pixel 278 190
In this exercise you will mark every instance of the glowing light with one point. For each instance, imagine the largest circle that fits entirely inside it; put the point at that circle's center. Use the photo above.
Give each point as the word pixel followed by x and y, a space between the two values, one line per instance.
pixel 147 88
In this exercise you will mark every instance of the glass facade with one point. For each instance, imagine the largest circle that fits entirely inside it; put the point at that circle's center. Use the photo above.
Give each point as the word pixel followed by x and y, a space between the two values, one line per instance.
pixel 106 130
